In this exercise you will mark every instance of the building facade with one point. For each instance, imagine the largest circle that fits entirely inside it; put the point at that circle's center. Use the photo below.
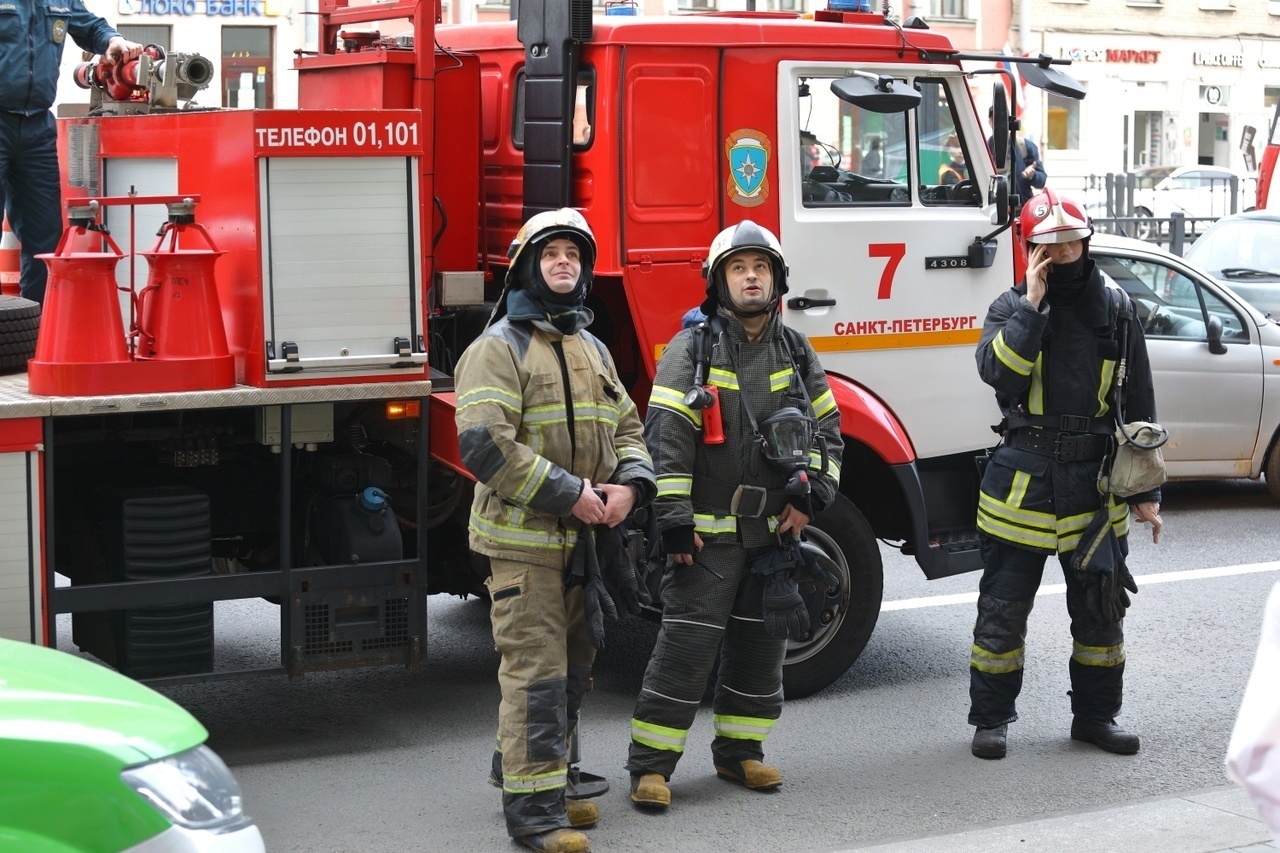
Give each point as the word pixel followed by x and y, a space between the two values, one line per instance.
pixel 1170 82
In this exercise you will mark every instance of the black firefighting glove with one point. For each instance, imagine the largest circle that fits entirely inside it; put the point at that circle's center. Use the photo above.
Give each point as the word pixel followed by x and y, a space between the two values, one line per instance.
pixel 1099 564
pixel 785 615
pixel 618 566
pixel 584 570
pixel 809 570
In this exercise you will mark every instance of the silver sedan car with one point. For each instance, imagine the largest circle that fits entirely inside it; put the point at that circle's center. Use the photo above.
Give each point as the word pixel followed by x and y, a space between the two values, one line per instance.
pixel 1216 362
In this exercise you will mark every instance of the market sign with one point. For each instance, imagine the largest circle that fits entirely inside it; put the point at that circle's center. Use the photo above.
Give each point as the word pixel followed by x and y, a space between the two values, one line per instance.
pixel 1109 54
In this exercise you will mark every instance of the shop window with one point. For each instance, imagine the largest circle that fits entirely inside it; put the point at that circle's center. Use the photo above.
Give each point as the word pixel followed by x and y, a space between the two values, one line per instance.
pixel 145 34
pixel 1062 123
pixel 697 5
pixel 248 77
pixel 786 5
pixel 1270 97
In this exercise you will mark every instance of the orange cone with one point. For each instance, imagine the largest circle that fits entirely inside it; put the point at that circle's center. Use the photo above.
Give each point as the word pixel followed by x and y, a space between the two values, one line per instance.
pixel 10 263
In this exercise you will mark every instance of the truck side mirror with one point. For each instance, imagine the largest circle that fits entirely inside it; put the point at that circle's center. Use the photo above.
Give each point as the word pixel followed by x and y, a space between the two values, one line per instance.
pixel 999 125
pixel 878 93
pixel 1042 75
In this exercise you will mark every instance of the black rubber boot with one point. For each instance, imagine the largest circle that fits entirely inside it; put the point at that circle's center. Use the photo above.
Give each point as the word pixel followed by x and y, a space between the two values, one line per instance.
pixel 1104 734
pixel 992 743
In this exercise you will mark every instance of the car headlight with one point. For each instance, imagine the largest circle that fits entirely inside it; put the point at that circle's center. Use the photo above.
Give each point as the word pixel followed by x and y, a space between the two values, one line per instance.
pixel 193 789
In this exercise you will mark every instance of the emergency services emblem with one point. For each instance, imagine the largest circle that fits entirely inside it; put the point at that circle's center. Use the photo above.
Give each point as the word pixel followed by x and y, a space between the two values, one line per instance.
pixel 59 31
pixel 748 154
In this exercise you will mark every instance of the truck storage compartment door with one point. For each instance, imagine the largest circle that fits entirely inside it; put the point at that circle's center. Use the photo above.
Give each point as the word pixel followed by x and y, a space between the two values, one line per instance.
pixel 341 269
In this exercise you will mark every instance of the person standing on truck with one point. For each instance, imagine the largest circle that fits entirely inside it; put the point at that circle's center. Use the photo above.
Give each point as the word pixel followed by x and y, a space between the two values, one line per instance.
pixel 555 443
pixel 1050 348
pixel 724 510
pixel 31 39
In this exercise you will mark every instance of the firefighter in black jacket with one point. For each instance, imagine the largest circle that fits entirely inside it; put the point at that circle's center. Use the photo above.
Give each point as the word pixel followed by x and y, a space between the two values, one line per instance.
pixel 724 509
pixel 1050 347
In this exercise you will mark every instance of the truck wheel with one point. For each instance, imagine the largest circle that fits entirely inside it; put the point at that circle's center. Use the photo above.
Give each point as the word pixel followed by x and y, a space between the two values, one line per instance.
pixel 19 323
pixel 846 546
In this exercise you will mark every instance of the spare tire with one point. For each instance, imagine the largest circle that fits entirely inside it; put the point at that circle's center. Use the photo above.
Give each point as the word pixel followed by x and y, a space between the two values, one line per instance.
pixel 19 324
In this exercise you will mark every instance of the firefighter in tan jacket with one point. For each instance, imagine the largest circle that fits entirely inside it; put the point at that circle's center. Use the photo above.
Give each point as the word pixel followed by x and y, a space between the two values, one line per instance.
pixel 543 422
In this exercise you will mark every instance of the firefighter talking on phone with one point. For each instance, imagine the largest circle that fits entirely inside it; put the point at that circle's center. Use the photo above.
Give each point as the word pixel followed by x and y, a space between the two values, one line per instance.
pixel 1051 348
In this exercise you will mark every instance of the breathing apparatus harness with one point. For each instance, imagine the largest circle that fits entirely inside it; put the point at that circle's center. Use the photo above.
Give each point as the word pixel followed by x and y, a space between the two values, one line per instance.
pixel 784 438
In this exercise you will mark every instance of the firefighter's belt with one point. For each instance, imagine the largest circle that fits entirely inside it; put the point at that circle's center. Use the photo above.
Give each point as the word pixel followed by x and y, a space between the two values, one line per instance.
pixel 1062 446
pixel 737 499
pixel 1063 423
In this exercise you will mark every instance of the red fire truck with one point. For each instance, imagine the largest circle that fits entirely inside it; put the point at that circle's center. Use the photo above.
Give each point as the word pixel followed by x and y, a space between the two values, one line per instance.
pixel 350 250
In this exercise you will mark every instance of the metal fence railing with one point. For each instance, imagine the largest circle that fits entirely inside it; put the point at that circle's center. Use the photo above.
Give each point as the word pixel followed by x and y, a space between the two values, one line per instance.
pixel 1131 205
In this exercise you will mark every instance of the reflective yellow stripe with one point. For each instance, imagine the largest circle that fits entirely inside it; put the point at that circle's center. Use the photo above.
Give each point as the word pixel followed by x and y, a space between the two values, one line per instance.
pixel 722 378
pixel 533 784
pixel 512 535
pixel 825 404
pixel 1008 357
pixel 742 728
pixel 658 737
pixel 781 380
pixel 833 466
pixel 584 412
pixel 1029 517
pixel 489 394
pixel 673 401
pixel 1035 399
pixel 703 523
pixel 1120 518
pixel 1104 385
pixel 538 473
pixel 674 485
pixel 997 663
pixel 1018 489
pixel 628 453
pixel 1097 655
pixel 1017 535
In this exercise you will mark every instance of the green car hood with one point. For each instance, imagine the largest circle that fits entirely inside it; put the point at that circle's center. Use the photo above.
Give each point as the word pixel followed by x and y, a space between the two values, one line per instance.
pixel 52 697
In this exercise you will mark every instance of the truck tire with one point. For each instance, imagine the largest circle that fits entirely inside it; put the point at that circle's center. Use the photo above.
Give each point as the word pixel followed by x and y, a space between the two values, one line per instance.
pixel 846 545
pixel 19 323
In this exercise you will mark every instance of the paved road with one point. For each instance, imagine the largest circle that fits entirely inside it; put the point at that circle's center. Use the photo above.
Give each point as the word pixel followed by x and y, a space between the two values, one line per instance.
pixel 383 760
